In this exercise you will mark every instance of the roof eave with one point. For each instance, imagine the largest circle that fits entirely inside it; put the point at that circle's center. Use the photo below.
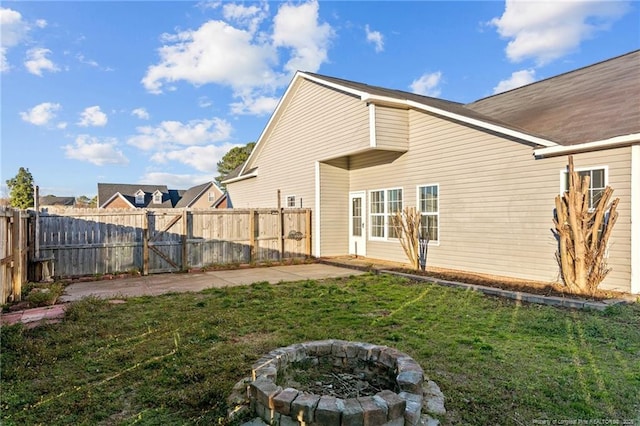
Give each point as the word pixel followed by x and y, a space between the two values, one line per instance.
pixel 614 142
pixel 241 177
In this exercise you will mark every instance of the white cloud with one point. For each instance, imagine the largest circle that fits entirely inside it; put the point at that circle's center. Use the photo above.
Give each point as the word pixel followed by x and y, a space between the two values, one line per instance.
pixel 214 53
pixel 260 105
pixel 247 16
pixel 12 27
pixel 4 64
pixel 92 116
pixel 240 55
pixel 82 59
pixel 202 158
pixel 41 114
pixel 297 27
pixel 376 38
pixel 427 84
pixel 517 79
pixel 92 150
pixel 172 133
pixel 37 61
pixel 175 181
pixel 141 113
pixel 204 102
pixel 549 30
pixel 13 31
pixel 62 125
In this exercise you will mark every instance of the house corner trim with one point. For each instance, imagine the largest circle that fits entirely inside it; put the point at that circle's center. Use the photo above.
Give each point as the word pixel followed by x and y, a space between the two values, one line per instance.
pixel 316 216
pixel 635 219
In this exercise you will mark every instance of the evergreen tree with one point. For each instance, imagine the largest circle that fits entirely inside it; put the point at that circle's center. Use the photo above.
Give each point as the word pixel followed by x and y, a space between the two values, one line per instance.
pixel 232 159
pixel 21 189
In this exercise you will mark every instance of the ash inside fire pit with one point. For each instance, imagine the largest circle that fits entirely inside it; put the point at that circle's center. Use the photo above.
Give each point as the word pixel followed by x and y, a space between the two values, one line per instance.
pixel 323 378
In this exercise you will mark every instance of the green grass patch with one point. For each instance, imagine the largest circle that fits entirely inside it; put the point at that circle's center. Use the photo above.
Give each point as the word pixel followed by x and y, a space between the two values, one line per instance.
pixel 173 359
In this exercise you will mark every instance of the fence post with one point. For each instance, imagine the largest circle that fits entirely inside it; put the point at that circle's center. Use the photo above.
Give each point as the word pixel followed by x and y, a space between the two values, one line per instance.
pixel 252 236
pixel 281 239
pixel 308 231
pixel 18 263
pixel 185 231
pixel 145 243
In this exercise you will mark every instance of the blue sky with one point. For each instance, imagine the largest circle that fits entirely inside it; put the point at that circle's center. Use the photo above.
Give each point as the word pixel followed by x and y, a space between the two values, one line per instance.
pixel 157 92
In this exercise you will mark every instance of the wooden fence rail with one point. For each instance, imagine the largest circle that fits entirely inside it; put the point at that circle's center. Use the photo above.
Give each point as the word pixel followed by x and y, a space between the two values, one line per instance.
pixel 92 242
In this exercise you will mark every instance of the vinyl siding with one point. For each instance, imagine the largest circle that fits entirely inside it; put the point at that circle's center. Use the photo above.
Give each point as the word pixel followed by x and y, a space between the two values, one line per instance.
pixel 392 128
pixel 496 200
pixel 334 212
pixel 316 124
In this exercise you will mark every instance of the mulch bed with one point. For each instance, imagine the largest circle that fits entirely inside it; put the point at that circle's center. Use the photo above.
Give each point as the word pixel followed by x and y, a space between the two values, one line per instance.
pixel 505 283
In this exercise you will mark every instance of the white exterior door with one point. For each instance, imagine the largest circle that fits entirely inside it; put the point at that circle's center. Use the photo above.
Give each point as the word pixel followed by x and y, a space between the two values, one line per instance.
pixel 357 228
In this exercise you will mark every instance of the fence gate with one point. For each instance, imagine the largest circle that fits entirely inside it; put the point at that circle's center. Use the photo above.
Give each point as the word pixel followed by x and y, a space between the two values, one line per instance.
pixel 165 245
pixel 14 232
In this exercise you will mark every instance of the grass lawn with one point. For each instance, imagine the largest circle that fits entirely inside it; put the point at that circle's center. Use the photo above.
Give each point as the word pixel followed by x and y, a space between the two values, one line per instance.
pixel 173 359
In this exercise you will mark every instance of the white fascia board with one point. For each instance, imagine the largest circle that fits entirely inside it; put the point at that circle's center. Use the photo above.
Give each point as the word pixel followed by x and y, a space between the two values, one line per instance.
pixel 113 197
pixel 239 178
pixel 478 123
pixel 333 85
pixel 615 142
pixel 484 125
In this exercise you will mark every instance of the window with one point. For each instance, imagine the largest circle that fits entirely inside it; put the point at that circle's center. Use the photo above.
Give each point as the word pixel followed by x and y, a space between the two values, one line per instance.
pixel 212 196
pixel 384 205
pixel 291 201
pixel 157 197
pixel 428 205
pixel 597 183
pixel 140 197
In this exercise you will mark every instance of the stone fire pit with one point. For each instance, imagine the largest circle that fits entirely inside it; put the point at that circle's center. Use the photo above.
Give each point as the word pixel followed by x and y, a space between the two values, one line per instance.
pixel 374 385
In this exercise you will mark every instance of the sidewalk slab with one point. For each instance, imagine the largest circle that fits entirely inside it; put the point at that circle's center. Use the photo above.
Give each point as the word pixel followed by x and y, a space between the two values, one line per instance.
pixel 153 285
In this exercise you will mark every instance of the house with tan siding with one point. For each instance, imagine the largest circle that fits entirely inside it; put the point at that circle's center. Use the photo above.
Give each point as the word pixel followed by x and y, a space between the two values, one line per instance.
pixel 484 175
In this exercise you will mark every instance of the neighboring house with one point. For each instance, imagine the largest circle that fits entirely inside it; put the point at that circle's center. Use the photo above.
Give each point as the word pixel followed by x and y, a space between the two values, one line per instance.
pixel 130 196
pixel 206 195
pixel 484 175
pixel 52 200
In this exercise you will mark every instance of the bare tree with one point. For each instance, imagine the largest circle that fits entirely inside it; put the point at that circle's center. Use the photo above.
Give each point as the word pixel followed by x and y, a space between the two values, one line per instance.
pixel 582 231
pixel 407 223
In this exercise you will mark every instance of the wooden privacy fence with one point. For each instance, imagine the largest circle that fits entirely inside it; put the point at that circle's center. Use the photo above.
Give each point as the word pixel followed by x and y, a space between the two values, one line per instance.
pixel 90 241
pixel 14 233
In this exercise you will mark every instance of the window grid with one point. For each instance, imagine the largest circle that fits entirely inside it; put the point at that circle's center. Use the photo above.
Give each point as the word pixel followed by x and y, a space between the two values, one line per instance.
pixel 291 201
pixel 428 205
pixel 384 204
pixel 597 183
pixel 139 197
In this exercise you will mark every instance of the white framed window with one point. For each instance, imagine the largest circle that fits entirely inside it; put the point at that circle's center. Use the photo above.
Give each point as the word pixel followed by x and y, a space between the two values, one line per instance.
pixel 429 208
pixel 157 197
pixel 211 196
pixel 383 205
pixel 598 177
pixel 291 201
pixel 139 197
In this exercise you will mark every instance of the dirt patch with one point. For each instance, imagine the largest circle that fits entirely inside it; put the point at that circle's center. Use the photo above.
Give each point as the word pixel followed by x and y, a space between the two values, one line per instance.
pixel 507 283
